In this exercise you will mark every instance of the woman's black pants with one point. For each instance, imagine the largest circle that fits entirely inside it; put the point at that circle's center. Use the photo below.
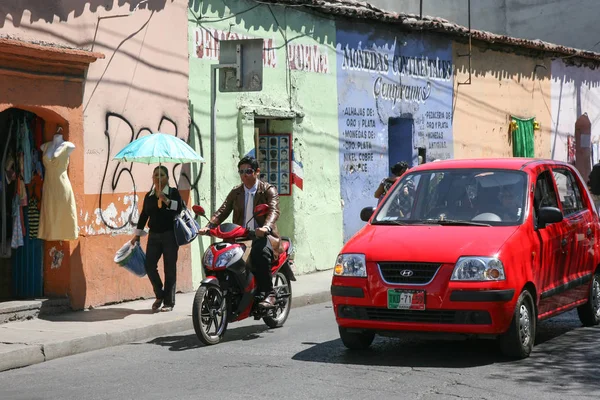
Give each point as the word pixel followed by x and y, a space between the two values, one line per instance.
pixel 162 244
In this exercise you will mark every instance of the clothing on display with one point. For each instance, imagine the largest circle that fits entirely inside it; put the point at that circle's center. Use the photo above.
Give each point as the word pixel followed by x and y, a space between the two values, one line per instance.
pixel 20 169
pixel 58 215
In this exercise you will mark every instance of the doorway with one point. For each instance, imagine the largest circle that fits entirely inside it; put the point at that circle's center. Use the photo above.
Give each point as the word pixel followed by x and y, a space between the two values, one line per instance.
pixel 400 141
pixel 21 181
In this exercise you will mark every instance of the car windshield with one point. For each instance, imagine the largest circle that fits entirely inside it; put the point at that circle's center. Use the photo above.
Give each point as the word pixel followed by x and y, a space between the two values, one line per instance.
pixel 476 197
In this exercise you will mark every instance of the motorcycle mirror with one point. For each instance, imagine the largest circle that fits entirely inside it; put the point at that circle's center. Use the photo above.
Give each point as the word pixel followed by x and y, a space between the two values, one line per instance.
pixel 198 210
pixel 261 210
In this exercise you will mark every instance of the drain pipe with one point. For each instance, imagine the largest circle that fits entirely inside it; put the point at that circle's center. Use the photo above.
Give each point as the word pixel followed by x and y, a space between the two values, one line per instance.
pixel 469 54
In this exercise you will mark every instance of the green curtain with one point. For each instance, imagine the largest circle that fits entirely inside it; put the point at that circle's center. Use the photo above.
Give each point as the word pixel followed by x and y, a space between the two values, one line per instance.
pixel 523 138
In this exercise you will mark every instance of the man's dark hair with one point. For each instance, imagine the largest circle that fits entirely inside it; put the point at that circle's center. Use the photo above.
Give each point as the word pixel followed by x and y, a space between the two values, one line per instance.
pixel 251 161
pixel 399 167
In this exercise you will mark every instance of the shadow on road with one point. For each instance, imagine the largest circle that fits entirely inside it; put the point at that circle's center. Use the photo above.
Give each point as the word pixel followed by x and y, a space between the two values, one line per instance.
pixel 566 356
pixel 188 342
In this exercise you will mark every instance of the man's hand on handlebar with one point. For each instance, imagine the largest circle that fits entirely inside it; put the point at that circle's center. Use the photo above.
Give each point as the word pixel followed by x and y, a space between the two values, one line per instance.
pixel 203 231
pixel 262 231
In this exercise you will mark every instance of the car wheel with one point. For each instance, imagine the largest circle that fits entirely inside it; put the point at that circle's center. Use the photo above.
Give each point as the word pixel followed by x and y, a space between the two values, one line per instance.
pixel 518 341
pixel 356 340
pixel 589 313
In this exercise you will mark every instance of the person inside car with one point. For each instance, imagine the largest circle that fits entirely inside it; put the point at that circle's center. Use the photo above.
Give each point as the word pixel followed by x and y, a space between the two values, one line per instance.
pixel 241 200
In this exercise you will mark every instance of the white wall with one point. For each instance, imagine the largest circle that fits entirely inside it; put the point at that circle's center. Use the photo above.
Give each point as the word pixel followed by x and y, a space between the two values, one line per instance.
pixel 575 91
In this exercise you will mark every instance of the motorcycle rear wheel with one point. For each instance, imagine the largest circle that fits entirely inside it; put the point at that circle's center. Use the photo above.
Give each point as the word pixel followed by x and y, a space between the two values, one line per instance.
pixel 209 312
pixel 282 285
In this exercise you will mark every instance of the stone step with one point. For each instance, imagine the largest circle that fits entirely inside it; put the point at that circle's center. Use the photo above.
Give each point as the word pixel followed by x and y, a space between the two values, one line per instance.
pixel 20 310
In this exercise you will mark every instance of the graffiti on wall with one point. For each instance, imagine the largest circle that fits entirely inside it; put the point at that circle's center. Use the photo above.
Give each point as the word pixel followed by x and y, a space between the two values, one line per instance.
pixel 395 97
pixel 108 218
pixel 301 57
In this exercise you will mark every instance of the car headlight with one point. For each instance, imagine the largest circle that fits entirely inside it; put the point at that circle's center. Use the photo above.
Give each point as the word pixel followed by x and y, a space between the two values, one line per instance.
pixel 225 257
pixel 350 265
pixel 208 258
pixel 478 269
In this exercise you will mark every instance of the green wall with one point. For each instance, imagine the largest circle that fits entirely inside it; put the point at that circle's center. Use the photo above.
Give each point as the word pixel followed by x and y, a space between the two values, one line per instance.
pixel 302 94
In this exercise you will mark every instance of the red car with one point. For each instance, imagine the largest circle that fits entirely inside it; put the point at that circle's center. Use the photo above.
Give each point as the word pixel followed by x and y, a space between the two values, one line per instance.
pixel 478 247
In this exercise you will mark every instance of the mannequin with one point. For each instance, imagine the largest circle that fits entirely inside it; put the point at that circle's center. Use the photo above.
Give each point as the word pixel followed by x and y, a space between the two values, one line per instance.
pixel 53 148
pixel 58 214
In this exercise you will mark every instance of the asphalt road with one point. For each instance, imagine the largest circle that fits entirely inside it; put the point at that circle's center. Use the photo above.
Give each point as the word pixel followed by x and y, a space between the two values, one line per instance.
pixel 306 360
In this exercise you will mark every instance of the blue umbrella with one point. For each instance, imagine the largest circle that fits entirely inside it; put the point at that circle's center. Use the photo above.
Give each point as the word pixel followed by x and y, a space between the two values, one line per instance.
pixel 158 148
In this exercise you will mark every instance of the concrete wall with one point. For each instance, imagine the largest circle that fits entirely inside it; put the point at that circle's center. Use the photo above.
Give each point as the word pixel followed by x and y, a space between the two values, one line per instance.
pixel 570 23
pixel 502 85
pixel 140 86
pixel 299 87
pixel 575 93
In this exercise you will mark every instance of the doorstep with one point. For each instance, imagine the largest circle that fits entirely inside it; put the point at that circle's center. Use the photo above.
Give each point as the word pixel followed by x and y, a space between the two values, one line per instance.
pixel 21 310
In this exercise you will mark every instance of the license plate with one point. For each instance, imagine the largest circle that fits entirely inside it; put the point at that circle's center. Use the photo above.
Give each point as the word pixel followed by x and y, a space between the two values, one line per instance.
pixel 406 299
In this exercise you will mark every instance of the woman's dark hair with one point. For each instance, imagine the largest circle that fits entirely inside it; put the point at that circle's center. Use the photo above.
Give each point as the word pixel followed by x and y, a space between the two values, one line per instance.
pixel 163 169
pixel 251 161
pixel 399 168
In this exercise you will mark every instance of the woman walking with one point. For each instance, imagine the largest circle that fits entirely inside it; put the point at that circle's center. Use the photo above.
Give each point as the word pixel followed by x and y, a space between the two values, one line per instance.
pixel 161 206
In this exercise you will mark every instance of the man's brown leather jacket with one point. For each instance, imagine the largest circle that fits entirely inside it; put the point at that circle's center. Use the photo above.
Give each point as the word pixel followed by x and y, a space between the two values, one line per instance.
pixel 235 201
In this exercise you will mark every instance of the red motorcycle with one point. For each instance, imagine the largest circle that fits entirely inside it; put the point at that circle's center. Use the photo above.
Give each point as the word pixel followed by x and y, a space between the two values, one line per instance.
pixel 228 293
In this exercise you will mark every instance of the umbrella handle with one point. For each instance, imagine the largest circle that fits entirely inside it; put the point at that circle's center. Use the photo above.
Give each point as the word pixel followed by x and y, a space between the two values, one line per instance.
pixel 159 188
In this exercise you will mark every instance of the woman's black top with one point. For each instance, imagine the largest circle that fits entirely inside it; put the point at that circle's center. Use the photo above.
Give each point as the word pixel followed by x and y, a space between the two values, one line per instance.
pixel 160 219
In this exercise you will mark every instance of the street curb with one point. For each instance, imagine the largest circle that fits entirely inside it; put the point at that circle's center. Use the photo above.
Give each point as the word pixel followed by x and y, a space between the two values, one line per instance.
pixel 37 353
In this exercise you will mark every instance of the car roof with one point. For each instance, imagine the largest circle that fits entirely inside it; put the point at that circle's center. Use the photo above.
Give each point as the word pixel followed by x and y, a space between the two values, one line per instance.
pixel 524 164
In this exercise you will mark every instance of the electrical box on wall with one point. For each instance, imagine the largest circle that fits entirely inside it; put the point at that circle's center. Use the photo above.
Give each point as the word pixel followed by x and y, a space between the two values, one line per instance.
pixel 274 158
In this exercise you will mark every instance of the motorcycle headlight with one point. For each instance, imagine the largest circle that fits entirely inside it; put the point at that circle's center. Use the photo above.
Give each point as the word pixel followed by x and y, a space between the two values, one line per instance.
pixel 208 258
pixel 224 258
pixel 478 269
pixel 351 265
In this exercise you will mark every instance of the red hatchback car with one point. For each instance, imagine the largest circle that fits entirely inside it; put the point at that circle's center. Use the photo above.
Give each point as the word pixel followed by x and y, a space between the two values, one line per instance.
pixel 478 247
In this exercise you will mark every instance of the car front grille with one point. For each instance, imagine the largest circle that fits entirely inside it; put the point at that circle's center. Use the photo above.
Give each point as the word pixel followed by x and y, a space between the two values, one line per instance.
pixel 424 316
pixel 408 273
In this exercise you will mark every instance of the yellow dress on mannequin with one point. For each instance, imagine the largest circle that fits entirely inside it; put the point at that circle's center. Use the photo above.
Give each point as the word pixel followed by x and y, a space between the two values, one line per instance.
pixel 58 214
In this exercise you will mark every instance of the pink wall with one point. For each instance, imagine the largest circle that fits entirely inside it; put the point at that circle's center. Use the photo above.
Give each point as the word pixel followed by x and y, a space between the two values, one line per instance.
pixel 142 80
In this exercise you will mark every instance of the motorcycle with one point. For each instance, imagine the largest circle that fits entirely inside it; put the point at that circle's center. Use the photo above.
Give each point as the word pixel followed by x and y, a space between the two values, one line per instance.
pixel 228 292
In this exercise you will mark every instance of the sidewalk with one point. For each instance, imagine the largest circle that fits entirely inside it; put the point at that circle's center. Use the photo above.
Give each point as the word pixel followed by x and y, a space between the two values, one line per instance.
pixel 30 342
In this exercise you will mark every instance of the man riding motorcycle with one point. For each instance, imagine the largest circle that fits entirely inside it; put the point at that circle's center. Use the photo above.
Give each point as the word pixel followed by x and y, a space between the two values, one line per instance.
pixel 241 200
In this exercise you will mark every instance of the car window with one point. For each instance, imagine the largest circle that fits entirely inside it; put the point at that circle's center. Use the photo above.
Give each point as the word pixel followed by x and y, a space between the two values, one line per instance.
pixel 495 197
pixel 544 194
pixel 568 191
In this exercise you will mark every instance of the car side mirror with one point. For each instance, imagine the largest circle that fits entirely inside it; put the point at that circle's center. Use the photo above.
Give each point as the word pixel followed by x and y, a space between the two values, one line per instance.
pixel 549 215
pixel 366 213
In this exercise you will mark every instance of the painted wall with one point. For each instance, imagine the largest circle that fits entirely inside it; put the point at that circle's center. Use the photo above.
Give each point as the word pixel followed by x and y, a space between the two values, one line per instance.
pixel 548 20
pixel 299 87
pixel 575 93
pixel 502 85
pixel 140 86
pixel 384 75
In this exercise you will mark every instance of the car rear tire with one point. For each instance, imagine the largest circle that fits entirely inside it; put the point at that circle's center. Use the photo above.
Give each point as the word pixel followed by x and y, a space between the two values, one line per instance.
pixel 356 340
pixel 518 341
pixel 589 313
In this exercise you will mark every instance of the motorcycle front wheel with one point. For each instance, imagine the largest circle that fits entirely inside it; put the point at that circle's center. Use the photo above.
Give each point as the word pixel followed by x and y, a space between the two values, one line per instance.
pixel 283 292
pixel 209 314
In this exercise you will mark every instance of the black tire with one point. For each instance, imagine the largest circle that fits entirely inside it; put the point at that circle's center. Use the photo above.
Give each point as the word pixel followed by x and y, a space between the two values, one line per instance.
pixel 589 313
pixel 356 340
pixel 281 313
pixel 208 304
pixel 518 341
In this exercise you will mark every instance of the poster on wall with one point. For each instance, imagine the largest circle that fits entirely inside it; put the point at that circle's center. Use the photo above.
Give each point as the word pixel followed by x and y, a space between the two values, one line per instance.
pixel 274 160
pixel 395 94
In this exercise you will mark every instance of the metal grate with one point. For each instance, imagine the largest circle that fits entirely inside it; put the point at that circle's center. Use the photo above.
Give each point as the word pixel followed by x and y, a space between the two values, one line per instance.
pixel 426 316
pixel 422 273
